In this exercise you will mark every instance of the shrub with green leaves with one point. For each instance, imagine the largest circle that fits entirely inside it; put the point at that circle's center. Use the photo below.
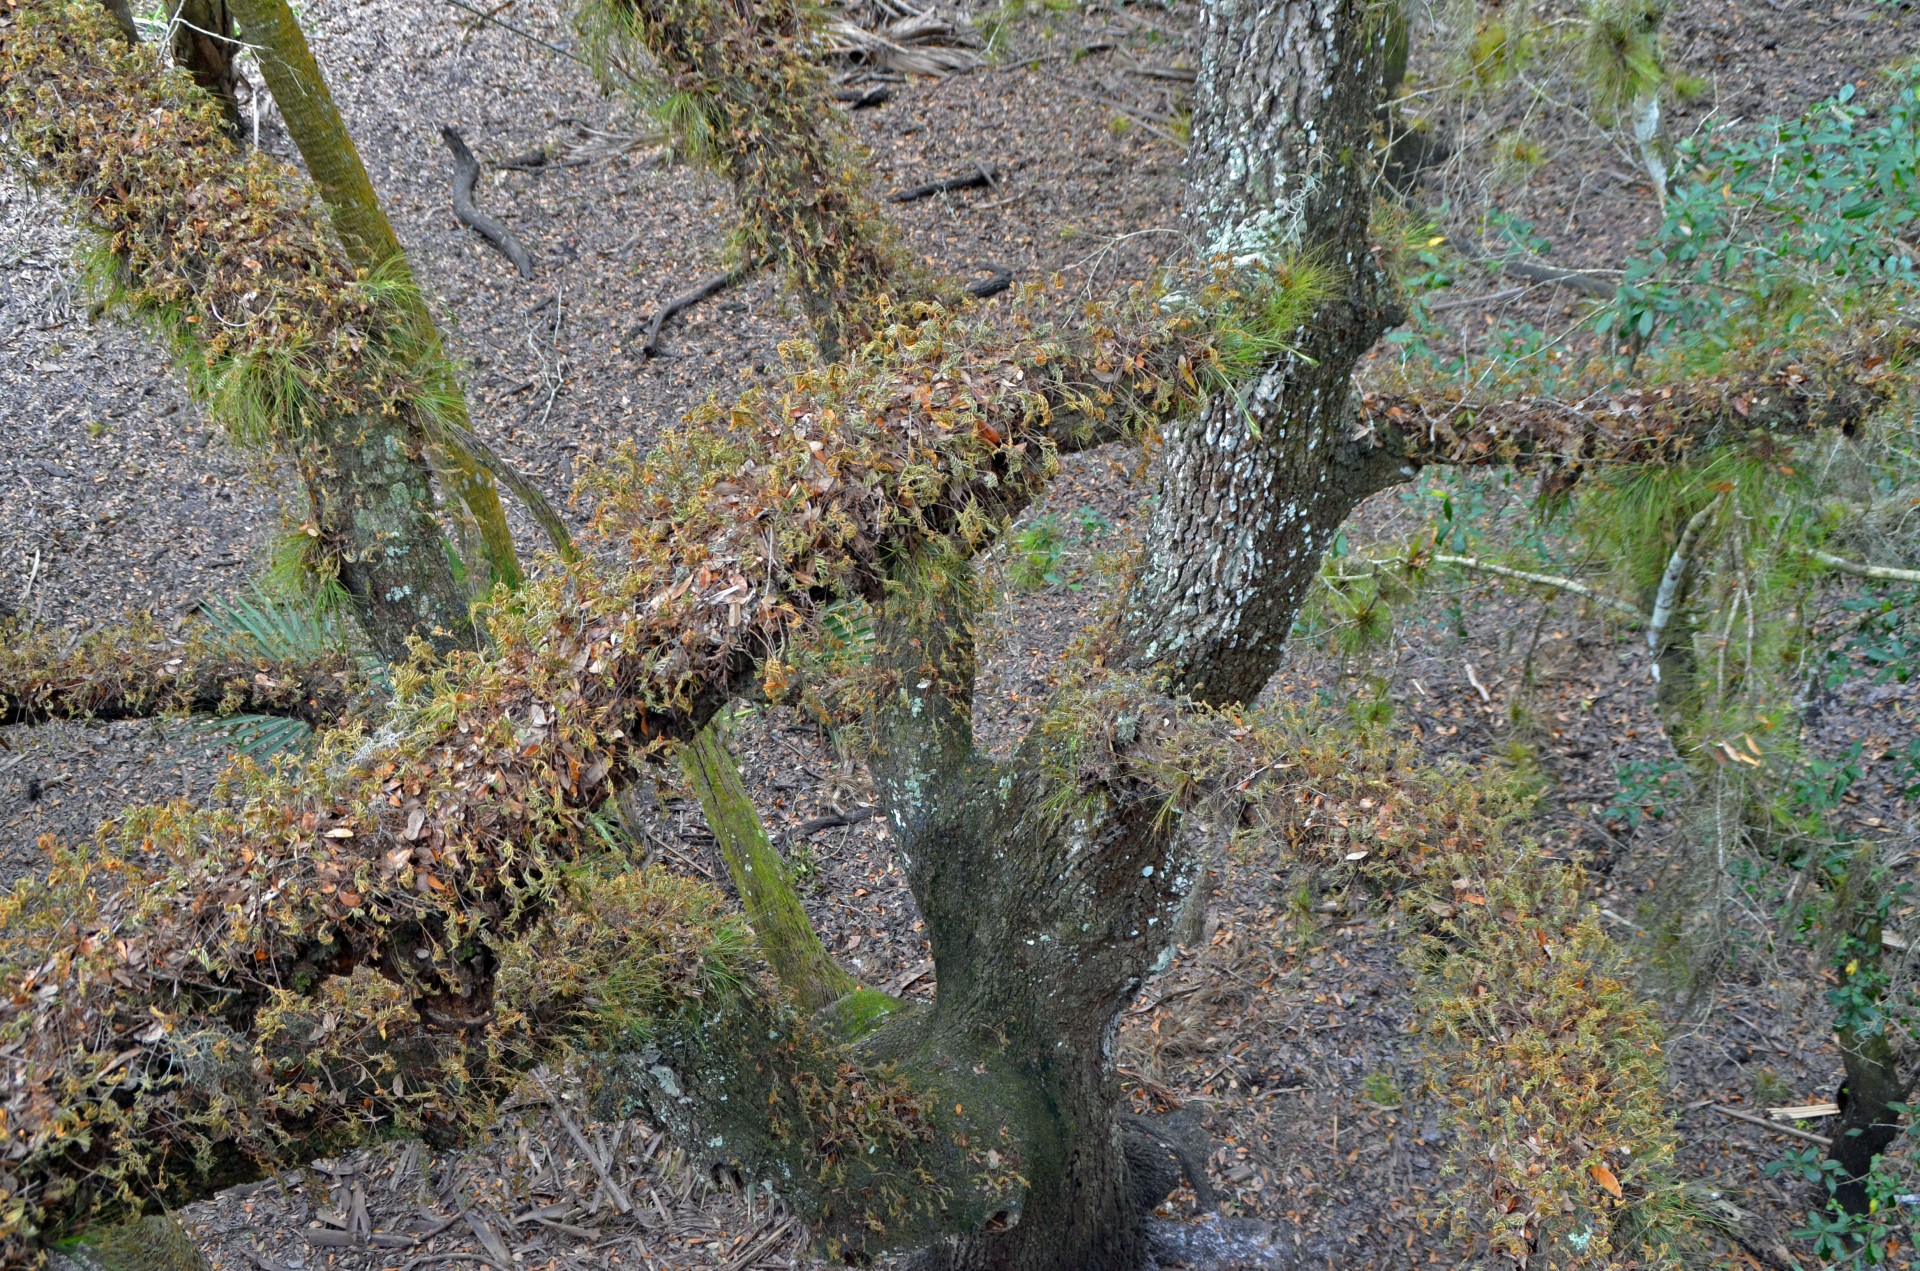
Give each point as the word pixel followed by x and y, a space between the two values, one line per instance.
pixel 1772 227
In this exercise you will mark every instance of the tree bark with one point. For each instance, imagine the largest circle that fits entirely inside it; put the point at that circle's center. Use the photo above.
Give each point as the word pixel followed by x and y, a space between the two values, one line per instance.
pixel 203 41
pixel 1253 487
pixel 333 161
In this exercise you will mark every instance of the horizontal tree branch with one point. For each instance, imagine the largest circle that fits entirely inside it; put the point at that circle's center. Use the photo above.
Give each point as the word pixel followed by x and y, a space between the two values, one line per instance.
pixel 1545 580
pixel 135 671
pixel 1836 386
pixel 1880 573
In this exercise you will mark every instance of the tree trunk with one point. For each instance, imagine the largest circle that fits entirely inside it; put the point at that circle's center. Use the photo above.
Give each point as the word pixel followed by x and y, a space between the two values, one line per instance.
pixel 202 40
pixel 1253 487
pixel 785 935
pixel 373 507
pixel 1870 1114
pixel 367 235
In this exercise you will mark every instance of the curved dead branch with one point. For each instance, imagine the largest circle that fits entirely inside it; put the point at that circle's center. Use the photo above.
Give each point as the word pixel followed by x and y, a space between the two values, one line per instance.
pixel 466 176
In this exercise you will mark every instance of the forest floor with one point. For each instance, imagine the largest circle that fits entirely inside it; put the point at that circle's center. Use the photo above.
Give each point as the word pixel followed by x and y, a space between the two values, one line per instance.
pixel 1291 1020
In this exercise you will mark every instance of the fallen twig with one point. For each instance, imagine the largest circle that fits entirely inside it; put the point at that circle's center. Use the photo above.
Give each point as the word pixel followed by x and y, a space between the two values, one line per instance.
pixel 967 181
pixel 852 816
pixel 650 347
pixel 615 1193
pixel 861 98
pixel 1585 284
pixel 1765 1124
pixel 466 175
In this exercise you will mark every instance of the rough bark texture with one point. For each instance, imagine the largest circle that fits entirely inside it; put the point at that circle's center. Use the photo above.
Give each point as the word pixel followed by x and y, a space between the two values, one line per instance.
pixel 373 499
pixel 202 41
pixel 1253 487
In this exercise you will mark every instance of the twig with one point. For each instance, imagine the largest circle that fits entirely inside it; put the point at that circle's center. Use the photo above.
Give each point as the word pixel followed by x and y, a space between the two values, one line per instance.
pixel 830 821
pixel 1585 284
pixel 1131 112
pixel 466 175
pixel 426 1259
pixel 712 287
pixel 1881 573
pixel 1468 302
pixel 1668 596
pixel 527 35
pixel 861 98
pixel 1765 1124
pixel 615 1192
pixel 967 181
pixel 1544 580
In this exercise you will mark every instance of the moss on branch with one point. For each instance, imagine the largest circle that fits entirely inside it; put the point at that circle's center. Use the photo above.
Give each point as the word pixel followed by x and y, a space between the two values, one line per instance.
pixel 137 671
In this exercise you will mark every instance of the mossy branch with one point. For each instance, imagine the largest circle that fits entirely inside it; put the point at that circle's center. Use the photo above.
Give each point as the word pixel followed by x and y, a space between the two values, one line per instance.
pixel 135 671
pixel 785 934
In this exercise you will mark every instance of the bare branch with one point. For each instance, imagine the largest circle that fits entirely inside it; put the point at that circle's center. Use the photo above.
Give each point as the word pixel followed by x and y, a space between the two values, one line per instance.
pixel 1544 580
pixel 1880 573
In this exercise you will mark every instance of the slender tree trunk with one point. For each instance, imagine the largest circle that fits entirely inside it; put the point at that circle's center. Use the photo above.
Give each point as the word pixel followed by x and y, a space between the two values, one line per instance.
pixel 361 222
pixel 786 936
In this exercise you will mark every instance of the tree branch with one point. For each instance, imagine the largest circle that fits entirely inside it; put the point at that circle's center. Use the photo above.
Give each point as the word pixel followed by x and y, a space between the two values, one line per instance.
pixel 135 672
pixel 1673 579
pixel 1544 580
pixel 1836 386
pixel 1880 573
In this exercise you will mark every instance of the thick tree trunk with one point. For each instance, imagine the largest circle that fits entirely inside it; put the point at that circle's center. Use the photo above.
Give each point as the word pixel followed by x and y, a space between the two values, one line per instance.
pixel 1050 884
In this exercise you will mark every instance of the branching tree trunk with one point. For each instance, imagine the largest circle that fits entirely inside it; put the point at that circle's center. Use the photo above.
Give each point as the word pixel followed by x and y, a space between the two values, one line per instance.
pixel 219 248
pixel 333 161
pixel 428 876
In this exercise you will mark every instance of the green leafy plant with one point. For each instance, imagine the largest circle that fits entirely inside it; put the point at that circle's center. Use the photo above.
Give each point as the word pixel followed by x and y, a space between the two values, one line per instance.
pixel 1844 1239
pixel 1648 789
pixel 1769 228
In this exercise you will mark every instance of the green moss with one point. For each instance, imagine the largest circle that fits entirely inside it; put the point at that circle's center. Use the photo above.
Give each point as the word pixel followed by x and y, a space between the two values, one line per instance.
pixel 859 1013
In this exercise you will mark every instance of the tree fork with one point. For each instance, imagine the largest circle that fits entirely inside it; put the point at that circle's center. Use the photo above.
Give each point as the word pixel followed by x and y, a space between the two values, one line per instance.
pixel 333 161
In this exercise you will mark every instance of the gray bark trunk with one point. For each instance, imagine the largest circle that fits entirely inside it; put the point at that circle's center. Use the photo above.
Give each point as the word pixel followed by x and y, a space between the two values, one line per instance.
pixel 1254 486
